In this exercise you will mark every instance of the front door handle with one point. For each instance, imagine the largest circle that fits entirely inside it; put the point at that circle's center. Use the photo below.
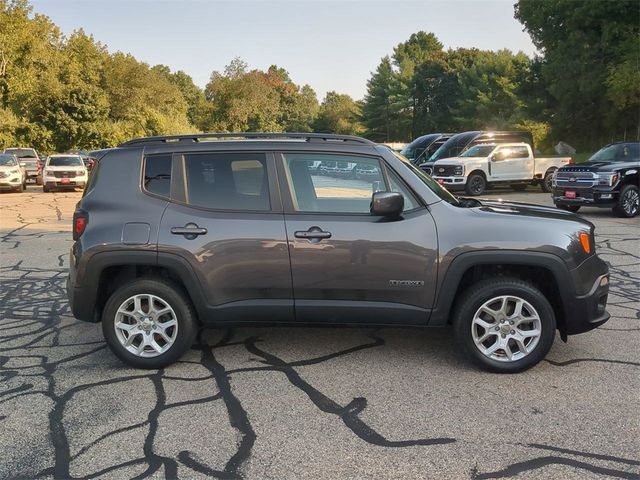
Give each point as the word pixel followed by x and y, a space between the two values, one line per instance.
pixel 190 231
pixel 314 234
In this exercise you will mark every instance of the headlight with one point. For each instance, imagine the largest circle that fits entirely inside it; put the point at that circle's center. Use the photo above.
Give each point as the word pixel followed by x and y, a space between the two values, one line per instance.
pixel 15 172
pixel 608 179
pixel 459 170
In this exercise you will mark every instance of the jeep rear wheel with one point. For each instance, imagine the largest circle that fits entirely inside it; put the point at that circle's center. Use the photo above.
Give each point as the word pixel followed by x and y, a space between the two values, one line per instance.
pixel 149 323
pixel 504 325
pixel 629 202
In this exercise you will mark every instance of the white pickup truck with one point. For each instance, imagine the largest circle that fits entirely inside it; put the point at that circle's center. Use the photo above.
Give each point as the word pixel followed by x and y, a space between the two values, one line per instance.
pixel 490 164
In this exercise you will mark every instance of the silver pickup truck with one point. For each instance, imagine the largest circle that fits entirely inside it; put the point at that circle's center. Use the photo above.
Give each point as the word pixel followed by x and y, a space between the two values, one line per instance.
pixel 28 159
pixel 512 164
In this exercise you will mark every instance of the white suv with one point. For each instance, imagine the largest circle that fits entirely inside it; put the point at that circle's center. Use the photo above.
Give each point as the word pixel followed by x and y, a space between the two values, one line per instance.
pixel 63 171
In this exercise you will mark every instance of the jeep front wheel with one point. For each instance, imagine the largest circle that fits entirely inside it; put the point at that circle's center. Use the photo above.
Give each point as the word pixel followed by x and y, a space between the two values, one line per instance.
pixel 504 325
pixel 149 323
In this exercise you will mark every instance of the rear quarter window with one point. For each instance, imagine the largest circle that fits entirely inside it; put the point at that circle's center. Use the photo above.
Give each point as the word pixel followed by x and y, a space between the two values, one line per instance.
pixel 157 174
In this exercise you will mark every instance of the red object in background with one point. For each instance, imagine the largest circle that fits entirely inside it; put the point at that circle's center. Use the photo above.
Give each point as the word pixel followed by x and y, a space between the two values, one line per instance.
pixel 40 165
pixel 570 194
pixel 570 160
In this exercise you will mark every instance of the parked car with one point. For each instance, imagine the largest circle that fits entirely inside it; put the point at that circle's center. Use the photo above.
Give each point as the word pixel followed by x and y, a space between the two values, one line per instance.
pixel 175 232
pixel 510 164
pixel 459 143
pixel 421 149
pixel 85 155
pixel 63 171
pixel 609 179
pixel 28 159
pixel 365 171
pixel 12 175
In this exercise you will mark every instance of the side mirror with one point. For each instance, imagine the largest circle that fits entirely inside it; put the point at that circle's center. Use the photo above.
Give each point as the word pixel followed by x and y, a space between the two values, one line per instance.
pixel 387 204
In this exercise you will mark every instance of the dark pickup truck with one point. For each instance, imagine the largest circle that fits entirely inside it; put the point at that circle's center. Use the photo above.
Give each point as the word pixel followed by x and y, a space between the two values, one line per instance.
pixel 609 179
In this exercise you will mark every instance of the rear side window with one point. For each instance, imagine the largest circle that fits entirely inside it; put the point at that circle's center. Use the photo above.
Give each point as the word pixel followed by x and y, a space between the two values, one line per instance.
pixel 157 174
pixel 227 181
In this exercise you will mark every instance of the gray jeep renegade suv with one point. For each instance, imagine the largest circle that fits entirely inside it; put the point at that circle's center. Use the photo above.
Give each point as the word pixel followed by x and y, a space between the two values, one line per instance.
pixel 181 231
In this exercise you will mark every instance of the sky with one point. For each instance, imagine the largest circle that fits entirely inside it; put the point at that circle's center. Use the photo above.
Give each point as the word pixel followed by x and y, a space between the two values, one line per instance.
pixel 330 45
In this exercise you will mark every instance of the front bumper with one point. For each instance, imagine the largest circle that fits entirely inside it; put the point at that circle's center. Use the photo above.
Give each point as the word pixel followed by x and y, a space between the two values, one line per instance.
pixel 10 183
pixel 71 183
pixel 594 197
pixel 455 181
pixel 586 309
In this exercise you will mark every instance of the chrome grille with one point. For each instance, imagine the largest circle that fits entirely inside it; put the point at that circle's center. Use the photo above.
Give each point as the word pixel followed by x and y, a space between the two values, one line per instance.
pixel 575 178
pixel 64 174
pixel 444 170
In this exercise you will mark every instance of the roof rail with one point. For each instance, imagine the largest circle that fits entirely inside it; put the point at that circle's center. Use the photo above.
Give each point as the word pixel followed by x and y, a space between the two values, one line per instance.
pixel 199 137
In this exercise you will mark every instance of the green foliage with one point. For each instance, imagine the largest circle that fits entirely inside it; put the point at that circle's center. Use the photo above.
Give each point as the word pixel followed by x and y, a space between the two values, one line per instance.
pixel 589 66
pixel 245 100
pixel 339 114
pixel 426 89
pixel 58 93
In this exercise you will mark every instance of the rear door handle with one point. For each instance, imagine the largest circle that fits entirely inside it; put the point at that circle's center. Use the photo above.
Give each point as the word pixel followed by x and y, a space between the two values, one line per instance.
pixel 314 233
pixel 190 231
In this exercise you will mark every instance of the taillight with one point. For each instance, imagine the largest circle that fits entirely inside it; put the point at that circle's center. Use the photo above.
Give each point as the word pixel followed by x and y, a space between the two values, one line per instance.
pixel 80 221
pixel 570 160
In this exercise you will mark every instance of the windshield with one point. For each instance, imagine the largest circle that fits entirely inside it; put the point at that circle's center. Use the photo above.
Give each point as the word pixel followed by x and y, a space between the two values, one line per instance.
pixel 65 162
pixel 22 152
pixel 430 182
pixel 620 152
pixel 8 161
pixel 479 151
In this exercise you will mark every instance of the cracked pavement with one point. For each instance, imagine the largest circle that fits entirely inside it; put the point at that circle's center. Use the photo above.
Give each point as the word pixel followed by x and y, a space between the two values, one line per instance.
pixel 303 402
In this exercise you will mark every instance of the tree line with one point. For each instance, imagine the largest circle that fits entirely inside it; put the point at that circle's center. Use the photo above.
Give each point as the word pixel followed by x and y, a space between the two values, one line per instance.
pixel 59 92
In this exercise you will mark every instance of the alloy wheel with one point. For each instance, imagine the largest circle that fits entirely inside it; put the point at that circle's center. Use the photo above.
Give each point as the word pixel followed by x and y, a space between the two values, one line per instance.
pixel 146 325
pixel 631 202
pixel 506 328
pixel 477 185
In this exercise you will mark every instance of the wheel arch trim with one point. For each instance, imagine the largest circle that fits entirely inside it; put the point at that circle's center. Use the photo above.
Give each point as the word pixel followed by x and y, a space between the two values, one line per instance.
pixel 446 294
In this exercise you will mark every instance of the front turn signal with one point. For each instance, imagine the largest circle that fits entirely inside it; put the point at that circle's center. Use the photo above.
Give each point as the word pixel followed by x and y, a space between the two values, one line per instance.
pixel 585 241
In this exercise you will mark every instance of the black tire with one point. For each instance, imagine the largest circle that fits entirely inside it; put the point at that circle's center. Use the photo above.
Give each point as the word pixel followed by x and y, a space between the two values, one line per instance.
pixel 476 184
pixel 45 189
pixel 170 293
pixel 39 180
pixel 519 187
pixel 628 202
pixel 479 293
pixel 547 185
pixel 569 208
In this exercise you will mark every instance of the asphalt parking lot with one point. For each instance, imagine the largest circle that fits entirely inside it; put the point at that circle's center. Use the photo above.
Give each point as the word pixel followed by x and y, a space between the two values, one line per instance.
pixel 306 402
